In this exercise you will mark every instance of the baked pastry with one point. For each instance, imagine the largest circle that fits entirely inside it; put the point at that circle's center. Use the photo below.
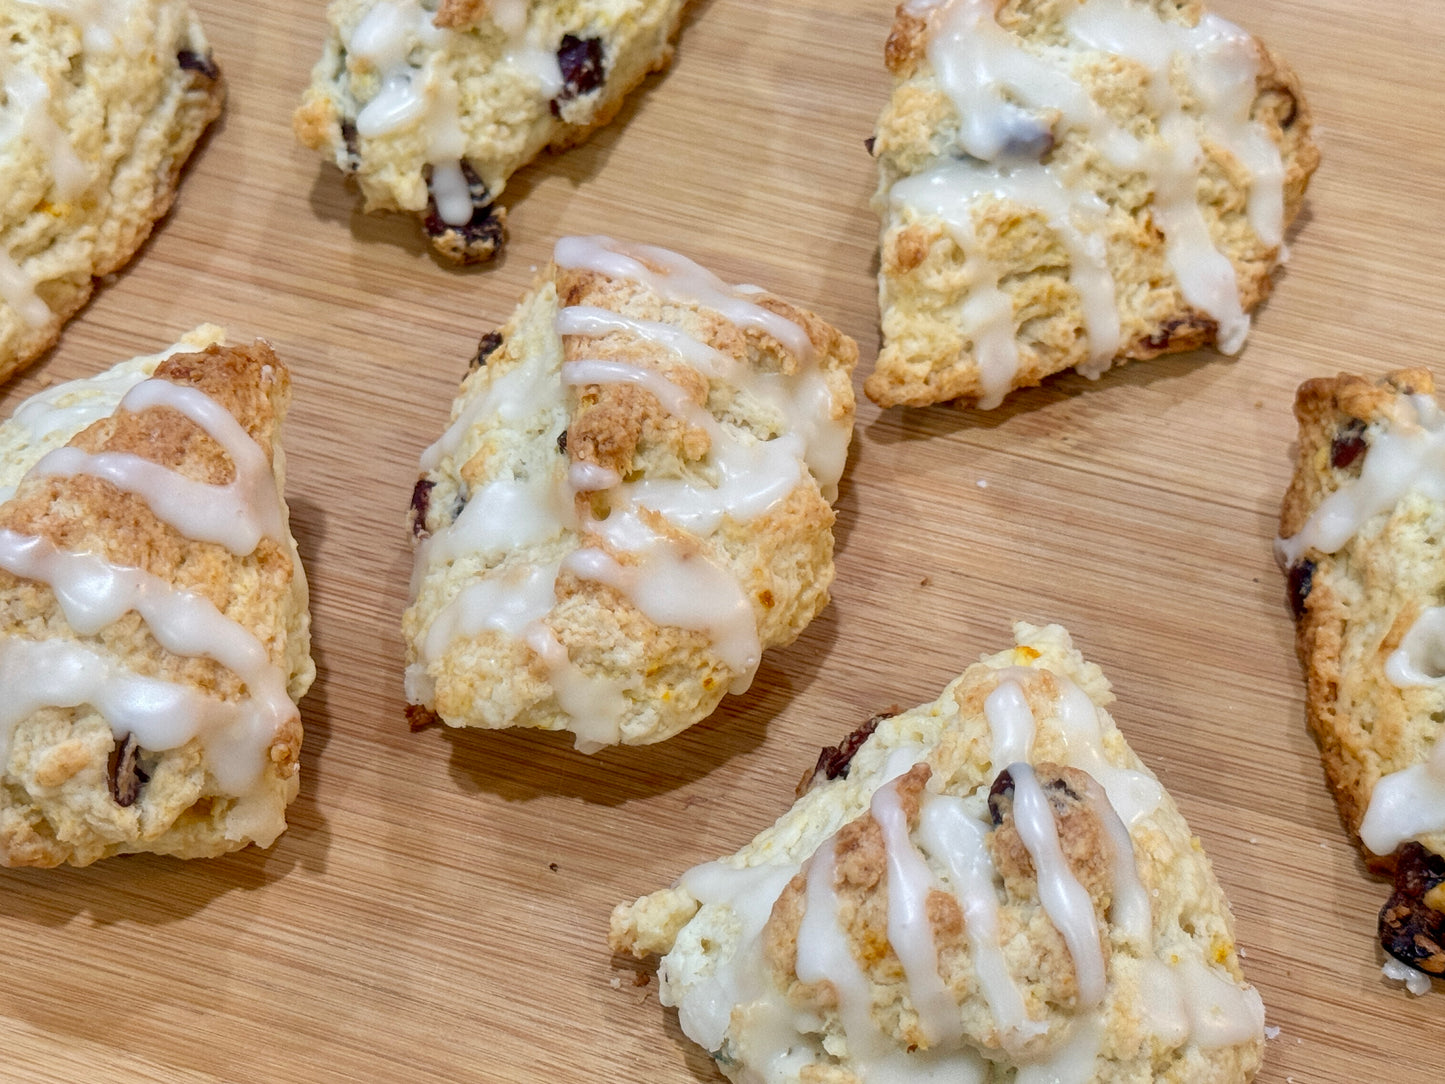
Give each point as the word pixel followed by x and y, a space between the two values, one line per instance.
pixel 631 502
pixel 432 104
pixel 988 887
pixel 1360 541
pixel 103 105
pixel 1075 183
pixel 154 633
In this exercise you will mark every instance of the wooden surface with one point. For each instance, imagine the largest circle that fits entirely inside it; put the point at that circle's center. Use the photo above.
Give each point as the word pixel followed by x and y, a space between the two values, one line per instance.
pixel 437 910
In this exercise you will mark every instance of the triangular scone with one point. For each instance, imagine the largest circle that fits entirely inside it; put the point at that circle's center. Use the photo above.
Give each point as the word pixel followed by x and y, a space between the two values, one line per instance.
pixel 154 631
pixel 431 106
pixel 987 883
pixel 1074 183
pixel 103 104
pixel 1360 541
pixel 631 503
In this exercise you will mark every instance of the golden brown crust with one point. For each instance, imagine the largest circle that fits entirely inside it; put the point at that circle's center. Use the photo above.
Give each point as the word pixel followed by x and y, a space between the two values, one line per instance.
pixel 460 14
pixel 1353 606
pixel 779 556
pixel 940 328
pixel 507 114
pixel 172 804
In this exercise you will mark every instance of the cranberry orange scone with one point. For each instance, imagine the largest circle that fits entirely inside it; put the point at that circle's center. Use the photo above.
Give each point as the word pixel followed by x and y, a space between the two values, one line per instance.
pixel 102 105
pixel 432 104
pixel 154 633
pixel 1074 183
pixel 992 887
pixel 1361 534
pixel 632 501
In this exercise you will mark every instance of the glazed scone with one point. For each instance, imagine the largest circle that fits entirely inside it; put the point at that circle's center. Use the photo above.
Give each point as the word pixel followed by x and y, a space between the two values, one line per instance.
pixel 1074 183
pixel 991 887
pixel 103 104
pixel 154 630
pixel 631 503
pixel 432 104
pixel 1360 539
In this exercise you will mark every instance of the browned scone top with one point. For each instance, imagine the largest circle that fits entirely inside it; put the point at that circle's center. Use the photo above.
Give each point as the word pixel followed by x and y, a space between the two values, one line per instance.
pixel 950 333
pixel 667 435
pixel 76 790
pixel 1361 599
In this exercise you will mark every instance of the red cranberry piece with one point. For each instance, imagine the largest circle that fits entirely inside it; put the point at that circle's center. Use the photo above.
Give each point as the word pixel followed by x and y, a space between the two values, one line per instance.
pixel 1301 579
pixel 582 67
pixel 1411 930
pixel 1348 445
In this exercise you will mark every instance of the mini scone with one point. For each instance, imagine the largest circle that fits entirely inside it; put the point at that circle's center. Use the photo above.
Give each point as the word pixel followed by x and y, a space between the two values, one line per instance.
pixel 103 104
pixel 990 887
pixel 1075 183
pixel 1360 540
pixel 154 631
pixel 631 503
pixel 430 105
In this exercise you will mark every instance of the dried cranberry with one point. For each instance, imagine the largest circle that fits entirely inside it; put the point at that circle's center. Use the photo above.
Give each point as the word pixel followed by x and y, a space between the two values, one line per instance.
pixel 200 63
pixel 352 138
pixel 420 502
pixel 1003 788
pixel 1301 579
pixel 487 345
pixel 869 144
pixel 475 240
pixel 1411 930
pixel 581 62
pixel 126 775
pixel 1348 445
pixel 835 759
pixel 1182 333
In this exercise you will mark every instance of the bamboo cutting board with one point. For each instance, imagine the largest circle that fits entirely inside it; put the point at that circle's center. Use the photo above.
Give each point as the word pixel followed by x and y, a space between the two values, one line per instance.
pixel 437 910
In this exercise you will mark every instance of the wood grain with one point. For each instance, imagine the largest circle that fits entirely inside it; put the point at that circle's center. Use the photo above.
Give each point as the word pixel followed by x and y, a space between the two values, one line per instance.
pixel 437 910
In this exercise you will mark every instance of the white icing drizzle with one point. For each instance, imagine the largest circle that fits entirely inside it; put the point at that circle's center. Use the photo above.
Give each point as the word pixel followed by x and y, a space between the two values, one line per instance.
pixel 236 515
pixel 1064 899
pixel 1073 1061
pixel 1011 723
pixel 1405 457
pixel 1129 908
pixel 1185 1002
pixel 909 930
pixel 1006 97
pixel 677 278
pixel 427 93
pixel 1416 981
pixel 749 894
pixel 669 584
pixel 685 590
pixel 595 704
pixel 412 95
pixel 957 841
pixel 1133 795
pixel 1406 804
pixel 1420 658
pixel 93 594
pixel 824 955
pixel 509 602
pixel 50 418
